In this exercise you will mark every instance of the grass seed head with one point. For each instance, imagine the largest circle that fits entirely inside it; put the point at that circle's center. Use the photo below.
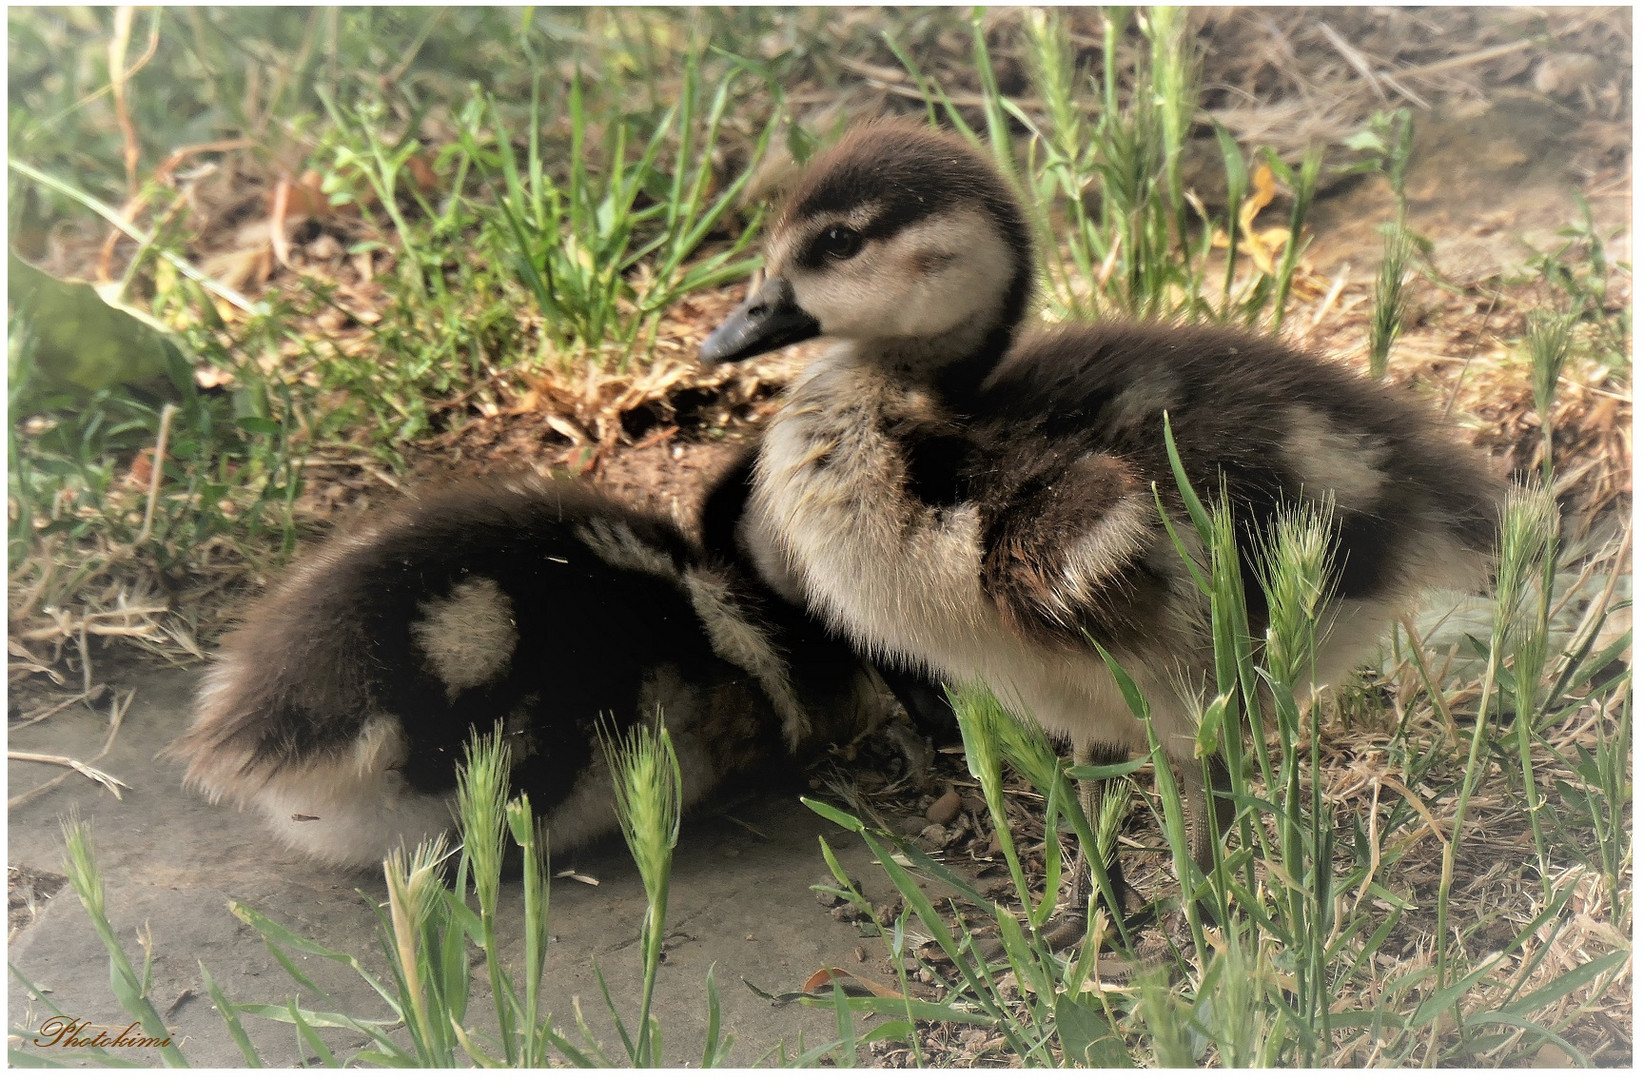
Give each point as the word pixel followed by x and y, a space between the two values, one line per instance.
pixel 646 776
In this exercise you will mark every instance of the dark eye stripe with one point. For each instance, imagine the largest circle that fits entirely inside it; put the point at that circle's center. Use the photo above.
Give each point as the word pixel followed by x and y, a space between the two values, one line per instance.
pixel 839 241
pixel 889 220
pixel 834 243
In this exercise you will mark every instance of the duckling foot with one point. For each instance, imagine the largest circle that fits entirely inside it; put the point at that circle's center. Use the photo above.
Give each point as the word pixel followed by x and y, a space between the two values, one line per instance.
pixel 1084 886
pixel 1208 814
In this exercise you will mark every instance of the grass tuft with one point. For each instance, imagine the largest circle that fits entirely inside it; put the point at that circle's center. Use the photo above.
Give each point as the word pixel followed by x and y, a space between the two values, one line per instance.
pixel 649 787
pixel 428 930
pixel 1387 318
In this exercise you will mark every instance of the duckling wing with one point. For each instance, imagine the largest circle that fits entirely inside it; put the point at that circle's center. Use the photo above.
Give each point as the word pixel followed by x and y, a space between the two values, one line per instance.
pixel 1072 544
pixel 1077 440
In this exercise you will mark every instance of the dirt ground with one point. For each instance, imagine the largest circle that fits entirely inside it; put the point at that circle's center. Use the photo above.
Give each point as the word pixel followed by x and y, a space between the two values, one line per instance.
pixel 740 903
pixel 1492 180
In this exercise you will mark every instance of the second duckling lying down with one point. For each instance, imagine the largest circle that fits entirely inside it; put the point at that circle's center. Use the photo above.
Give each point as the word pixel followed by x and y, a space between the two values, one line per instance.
pixel 339 710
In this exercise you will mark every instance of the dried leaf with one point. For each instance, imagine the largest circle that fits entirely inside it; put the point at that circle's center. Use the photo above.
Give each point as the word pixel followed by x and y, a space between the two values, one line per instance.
pixel 1265 187
pixel 142 467
pixel 823 976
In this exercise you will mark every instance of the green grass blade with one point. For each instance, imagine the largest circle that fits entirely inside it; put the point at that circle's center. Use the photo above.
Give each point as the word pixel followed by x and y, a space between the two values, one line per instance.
pixel 129 989
pixel 839 817
pixel 231 1019
pixel 306 1032
pixel 273 932
pixel 714 1049
pixel 629 1046
pixel 1088 1038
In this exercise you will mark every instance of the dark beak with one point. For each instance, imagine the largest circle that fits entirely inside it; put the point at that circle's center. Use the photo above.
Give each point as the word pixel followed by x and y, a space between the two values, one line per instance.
pixel 768 319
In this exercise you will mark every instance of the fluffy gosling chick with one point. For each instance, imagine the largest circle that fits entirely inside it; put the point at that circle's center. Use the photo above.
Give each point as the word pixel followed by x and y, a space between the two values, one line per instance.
pixel 339 709
pixel 739 538
pixel 957 493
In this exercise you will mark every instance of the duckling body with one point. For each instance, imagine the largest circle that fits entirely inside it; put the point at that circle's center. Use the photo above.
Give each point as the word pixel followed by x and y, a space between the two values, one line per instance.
pixel 742 539
pixel 958 495
pixel 340 708
pixel 986 547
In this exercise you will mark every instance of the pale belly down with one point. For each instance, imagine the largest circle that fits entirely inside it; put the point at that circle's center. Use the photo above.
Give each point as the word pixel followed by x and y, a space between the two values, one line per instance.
pixel 903 579
pixel 915 594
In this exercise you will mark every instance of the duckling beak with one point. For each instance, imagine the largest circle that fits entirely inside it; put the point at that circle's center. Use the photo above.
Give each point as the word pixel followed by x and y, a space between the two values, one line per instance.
pixel 768 319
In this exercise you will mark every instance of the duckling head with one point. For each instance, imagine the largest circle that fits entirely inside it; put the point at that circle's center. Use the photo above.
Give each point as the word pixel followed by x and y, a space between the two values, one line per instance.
pixel 898 236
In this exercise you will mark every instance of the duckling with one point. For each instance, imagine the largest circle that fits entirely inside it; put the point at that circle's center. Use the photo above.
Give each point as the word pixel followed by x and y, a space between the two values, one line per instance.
pixel 958 493
pixel 738 538
pixel 339 709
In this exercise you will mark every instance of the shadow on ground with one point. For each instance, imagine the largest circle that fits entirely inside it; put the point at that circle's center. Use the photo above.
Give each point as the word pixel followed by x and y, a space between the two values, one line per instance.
pixel 740 901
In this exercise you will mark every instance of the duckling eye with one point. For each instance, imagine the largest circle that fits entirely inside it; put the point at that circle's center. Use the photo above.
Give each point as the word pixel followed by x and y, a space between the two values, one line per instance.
pixel 839 242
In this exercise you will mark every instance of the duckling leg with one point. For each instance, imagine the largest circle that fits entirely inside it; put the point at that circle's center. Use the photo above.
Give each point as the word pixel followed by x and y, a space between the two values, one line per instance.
pixel 1197 812
pixel 1091 794
pixel 1207 817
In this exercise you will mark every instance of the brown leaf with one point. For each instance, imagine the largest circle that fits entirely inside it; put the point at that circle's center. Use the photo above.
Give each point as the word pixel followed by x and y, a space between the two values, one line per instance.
pixel 824 976
pixel 422 173
pixel 142 467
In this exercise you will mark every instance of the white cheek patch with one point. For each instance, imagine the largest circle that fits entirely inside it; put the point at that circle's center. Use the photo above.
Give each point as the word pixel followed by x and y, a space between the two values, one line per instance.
pixel 959 268
pixel 931 277
pixel 852 298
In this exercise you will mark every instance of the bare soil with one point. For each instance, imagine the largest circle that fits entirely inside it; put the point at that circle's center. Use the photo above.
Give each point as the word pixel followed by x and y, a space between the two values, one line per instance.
pixel 740 903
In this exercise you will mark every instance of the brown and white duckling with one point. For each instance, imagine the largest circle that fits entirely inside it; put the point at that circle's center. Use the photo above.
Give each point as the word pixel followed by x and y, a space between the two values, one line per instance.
pixel 736 537
pixel 339 709
pixel 957 493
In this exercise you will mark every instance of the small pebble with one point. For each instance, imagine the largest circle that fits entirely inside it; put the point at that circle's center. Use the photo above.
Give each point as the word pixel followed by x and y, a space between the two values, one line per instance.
pixel 944 809
pixel 934 835
pixel 1551 1057
pixel 909 824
